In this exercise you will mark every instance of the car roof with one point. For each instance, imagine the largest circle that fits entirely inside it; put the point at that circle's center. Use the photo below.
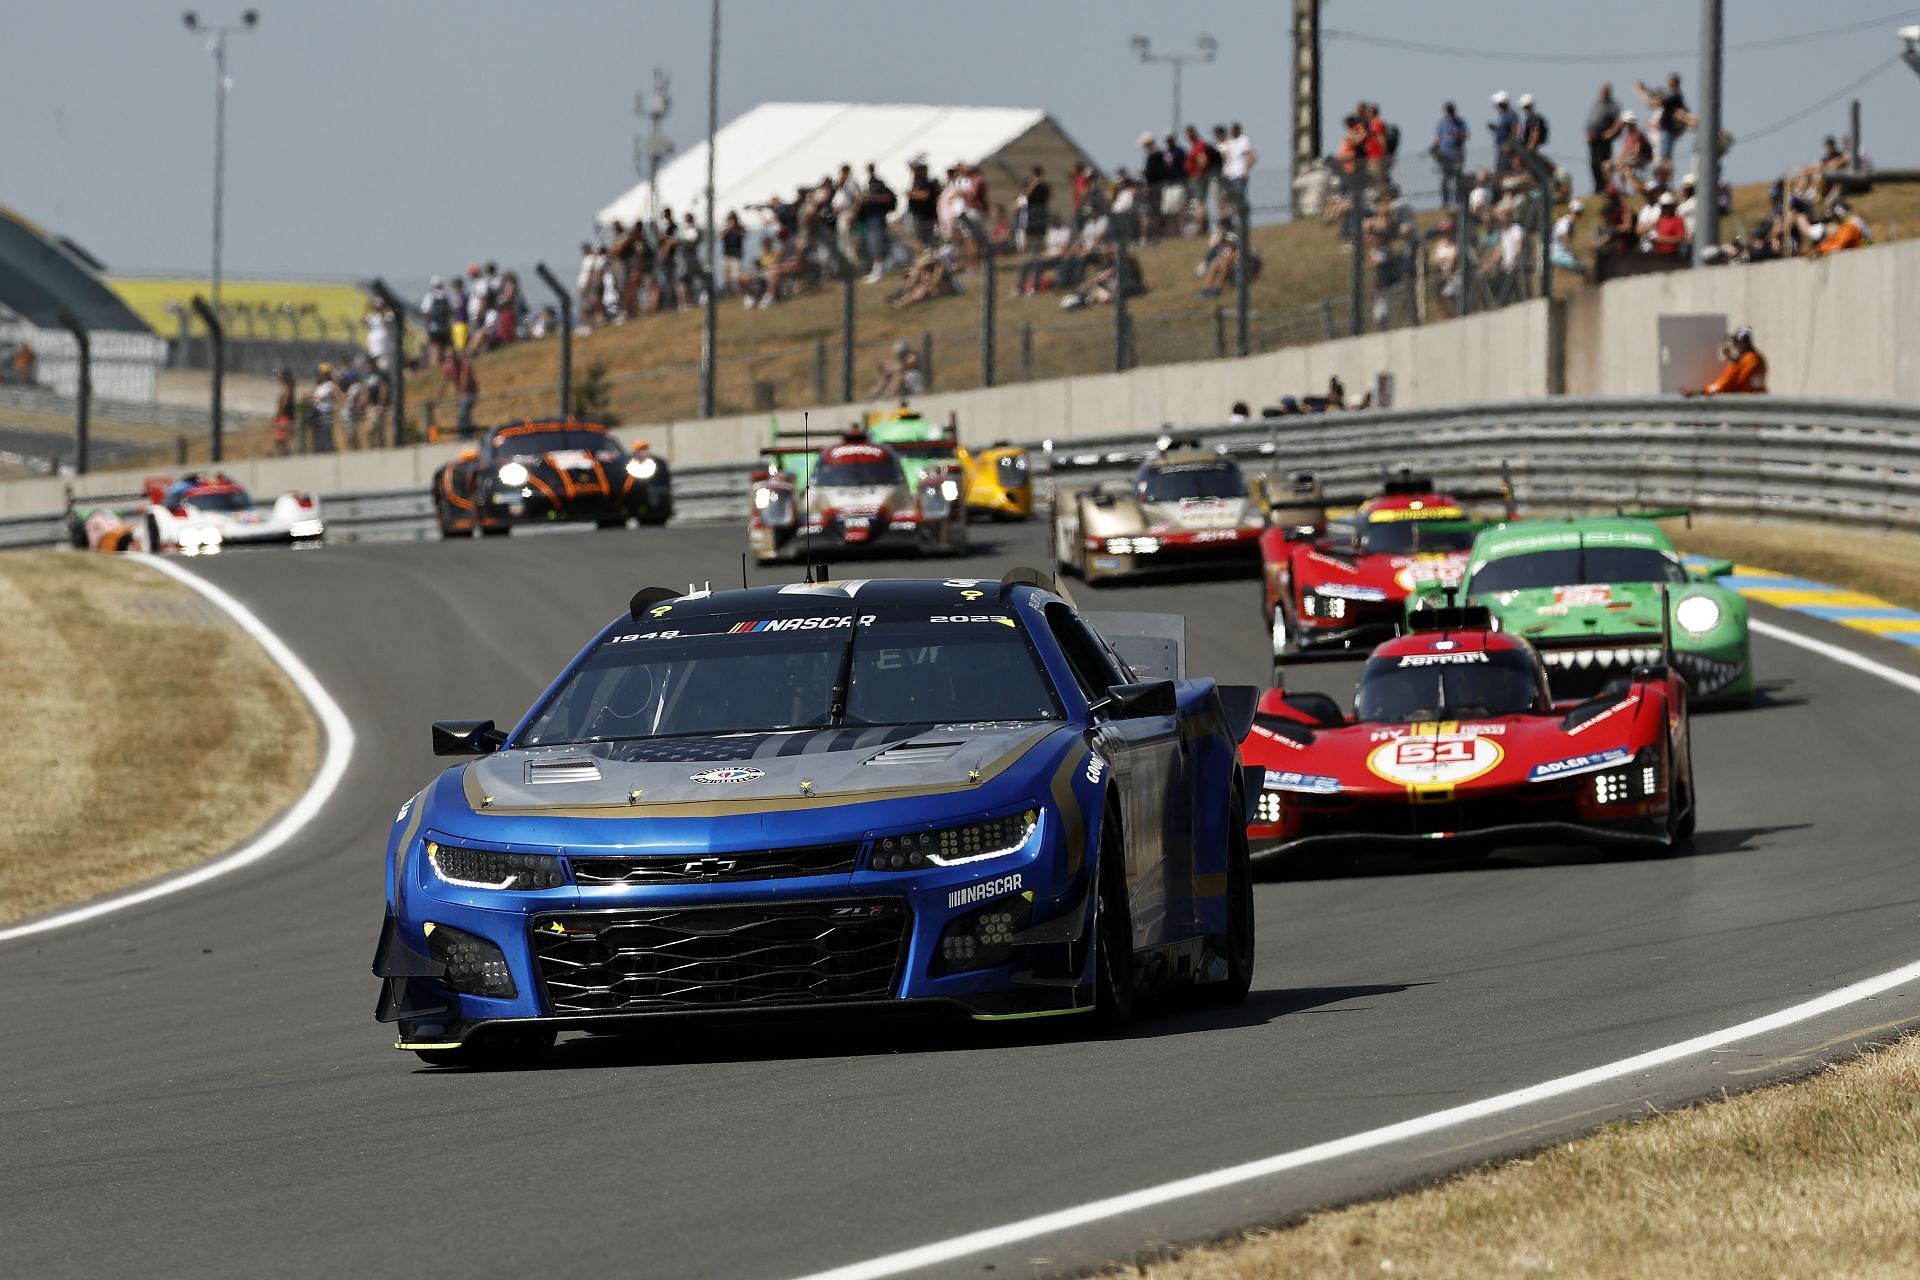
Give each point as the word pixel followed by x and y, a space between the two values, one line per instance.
pixel 1565 533
pixel 937 596
pixel 1462 640
pixel 531 427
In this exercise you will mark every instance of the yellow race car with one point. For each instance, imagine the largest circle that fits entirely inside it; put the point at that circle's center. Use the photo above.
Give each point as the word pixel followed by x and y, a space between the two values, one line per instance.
pixel 997 481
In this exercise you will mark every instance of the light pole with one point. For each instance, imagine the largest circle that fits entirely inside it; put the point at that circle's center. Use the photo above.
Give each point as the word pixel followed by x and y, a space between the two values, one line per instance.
pixel 654 146
pixel 217 46
pixel 1207 46
pixel 710 323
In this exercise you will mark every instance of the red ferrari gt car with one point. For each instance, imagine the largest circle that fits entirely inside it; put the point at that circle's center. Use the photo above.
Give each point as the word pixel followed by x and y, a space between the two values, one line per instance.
pixel 1343 584
pixel 1456 742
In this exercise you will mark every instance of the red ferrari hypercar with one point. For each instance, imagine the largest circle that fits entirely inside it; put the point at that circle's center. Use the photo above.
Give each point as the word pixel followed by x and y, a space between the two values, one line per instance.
pixel 1342 584
pixel 1456 742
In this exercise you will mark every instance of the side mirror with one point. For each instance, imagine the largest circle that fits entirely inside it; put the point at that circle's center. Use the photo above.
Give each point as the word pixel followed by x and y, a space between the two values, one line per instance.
pixel 466 737
pixel 469 455
pixel 1145 698
pixel 1711 569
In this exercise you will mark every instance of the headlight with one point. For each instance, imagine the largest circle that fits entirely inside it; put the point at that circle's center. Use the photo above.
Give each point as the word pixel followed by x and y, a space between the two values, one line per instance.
pixel 975 842
pixel 762 498
pixel 1697 614
pixel 482 869
pixel 642 468
pixel 513 475
pixel 473 966
pixel 949 490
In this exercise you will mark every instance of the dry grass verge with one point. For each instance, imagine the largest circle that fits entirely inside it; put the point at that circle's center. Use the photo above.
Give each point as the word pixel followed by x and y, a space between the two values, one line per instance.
pixel 1819 1178
pixel 1882 564
pixel 145 732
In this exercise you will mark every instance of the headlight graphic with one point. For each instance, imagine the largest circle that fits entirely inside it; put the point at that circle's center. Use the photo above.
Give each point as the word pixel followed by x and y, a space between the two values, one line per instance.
pixel 1697 615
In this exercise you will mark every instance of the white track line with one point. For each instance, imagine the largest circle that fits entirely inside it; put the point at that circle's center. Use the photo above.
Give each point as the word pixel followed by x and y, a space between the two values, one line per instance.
pixel 333 766
pixel 943 1251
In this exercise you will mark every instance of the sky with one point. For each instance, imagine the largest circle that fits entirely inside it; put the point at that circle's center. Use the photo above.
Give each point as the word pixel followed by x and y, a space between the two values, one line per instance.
pixel 404 137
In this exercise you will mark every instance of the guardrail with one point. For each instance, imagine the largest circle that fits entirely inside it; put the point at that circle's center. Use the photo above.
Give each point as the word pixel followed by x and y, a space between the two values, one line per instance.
pixel 1848 462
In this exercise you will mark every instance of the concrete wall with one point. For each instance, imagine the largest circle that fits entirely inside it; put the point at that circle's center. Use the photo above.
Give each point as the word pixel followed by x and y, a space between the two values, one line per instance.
pixel 1501 355
pixel 1838 326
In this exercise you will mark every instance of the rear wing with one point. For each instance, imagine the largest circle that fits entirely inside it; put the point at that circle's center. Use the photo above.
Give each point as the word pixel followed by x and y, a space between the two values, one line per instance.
pixel 1153 644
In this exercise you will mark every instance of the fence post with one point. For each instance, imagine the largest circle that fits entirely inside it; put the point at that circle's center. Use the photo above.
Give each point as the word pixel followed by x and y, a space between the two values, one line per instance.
pixel 1326 318
pixel 566 339
pixel 1463 254
pixel 926 358
pixel 1242 269
pixel 80 418
pixel 1220 333
pixel 819 370
pixel 217 336
pixel 1357 250
pixel 399 378
pixel 1026 350
pixel 989 292
pixel 1122 318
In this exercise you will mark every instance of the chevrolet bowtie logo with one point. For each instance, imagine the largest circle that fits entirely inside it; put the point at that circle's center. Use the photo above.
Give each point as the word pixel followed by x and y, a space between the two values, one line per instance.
pixel 709 866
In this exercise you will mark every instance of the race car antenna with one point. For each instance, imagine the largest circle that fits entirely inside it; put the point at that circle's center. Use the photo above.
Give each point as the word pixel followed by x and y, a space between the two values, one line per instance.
pixel 806 449
pixel 743 571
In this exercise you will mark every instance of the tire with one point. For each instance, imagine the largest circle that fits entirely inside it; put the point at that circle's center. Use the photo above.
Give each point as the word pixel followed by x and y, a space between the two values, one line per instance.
pixel 1240 926
pixel 492 531
pixel 1689 817
pixel 153 535
pixel 1113 977
pixel 517 1050
pixel 611 522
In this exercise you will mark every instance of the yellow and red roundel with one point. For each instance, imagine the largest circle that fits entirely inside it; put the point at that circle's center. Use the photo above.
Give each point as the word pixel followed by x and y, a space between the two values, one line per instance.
pixel 1422 761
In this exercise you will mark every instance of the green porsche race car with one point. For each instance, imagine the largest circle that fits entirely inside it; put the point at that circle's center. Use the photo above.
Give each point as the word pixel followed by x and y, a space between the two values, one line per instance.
pixel 1588 592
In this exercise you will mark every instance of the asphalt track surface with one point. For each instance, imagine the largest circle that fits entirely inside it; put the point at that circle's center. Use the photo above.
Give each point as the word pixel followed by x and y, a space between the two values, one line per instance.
pixel 196 1087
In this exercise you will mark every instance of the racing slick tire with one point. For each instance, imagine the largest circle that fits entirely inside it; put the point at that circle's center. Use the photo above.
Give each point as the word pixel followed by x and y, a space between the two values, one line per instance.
pixel 1114 983
pixel 611 522
pixel 1689 817
pixel 493 530
pixel 1240 927
pixel 153 535
pixel 514 1050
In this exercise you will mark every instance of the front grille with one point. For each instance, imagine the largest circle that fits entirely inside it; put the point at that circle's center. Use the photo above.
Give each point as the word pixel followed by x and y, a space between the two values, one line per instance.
pixel 733 957
pixel 771 864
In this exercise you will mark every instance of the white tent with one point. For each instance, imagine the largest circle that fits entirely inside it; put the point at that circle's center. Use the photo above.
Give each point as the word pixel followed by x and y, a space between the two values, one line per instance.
pixel 778 147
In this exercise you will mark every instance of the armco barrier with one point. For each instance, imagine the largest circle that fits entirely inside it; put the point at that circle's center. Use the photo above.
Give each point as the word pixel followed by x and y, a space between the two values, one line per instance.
pixel 1847 462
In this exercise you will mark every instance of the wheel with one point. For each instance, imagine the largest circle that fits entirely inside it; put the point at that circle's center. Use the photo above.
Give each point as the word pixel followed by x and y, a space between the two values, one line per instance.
pixel 153 534
pixel 492 530
pixel 1689 817
pixel 1113 980
pixel 611 522
pixel 1281 637
pixel 1063 566
pixel 1240 928
pixel 514 1050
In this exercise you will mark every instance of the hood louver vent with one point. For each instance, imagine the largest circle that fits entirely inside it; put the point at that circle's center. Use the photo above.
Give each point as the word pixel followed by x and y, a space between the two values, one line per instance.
pixel 917 753
pixel 541 772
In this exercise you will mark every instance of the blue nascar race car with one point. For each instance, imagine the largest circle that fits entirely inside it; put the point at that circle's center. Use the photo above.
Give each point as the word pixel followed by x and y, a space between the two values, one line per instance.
pixel 831 797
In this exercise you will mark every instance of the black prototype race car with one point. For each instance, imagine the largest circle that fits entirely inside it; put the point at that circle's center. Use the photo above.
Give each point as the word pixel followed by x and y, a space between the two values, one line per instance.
pixel 548 473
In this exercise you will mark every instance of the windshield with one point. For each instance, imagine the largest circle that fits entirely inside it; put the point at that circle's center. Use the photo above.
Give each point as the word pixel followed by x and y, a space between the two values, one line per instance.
pixel 533 444
pixel 1575 565
pixel 1462 685
pixel 660 684
pixel 858 475
pixel 1195 480
pixel 1405 537
pixel 227 501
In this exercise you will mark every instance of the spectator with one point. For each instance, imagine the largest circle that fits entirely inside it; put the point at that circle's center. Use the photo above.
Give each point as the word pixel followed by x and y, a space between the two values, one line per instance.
pixel 1505 127
pixel 1669 228
pixel 1672 117
pixel 436 313
pixel 928 277
pixel 1635 152
pixel 902 376
pixel 733 245
pixel 1174 196
pixel 1153 179
pixel 693 284
pixel 458 306
pixel 1533 126
pixel 1102 285
pixel 1203 172
pixel 1035 200
pixel 284 409
pixel 1689 204
pixel 1840 230
pixel 1449 151
pixel 458 370
pixel 542 323
pixel 1223 260
pixel 324 407
pixel 877 203
pixel 1239 412
pixel 1603 123
pixel 923 201
pixel 1053 255
pixel 353 408
pixel 1443 265
pixel 1505 263
pixel 847 192
pixel 1745 372
pixel 1237 160
pixel 1616 230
